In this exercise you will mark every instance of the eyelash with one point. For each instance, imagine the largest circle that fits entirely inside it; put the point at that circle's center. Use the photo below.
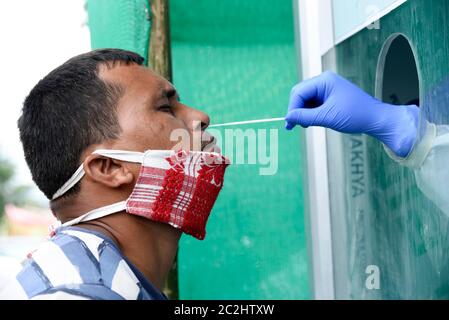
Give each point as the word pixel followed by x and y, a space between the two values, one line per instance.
pixel 166 108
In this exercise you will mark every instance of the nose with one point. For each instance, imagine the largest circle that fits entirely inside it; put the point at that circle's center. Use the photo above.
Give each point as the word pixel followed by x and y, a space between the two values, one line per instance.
pixel 196 118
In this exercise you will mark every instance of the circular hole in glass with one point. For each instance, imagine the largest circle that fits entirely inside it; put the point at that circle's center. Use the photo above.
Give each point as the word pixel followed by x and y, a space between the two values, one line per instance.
pixel 398 79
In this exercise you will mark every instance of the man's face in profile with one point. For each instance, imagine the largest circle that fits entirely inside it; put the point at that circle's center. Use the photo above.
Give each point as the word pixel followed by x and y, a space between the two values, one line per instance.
pixel 149 111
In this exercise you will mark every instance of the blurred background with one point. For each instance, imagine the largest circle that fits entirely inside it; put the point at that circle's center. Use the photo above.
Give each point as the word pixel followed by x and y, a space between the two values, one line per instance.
pixel 40 36
pixel 309 231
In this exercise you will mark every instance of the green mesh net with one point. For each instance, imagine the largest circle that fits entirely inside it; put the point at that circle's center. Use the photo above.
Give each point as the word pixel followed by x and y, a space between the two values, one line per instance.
pixel 120 24
pixel 235 60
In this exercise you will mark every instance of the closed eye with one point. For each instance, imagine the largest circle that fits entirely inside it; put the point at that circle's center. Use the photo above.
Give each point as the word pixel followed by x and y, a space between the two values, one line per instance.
pixel 166 108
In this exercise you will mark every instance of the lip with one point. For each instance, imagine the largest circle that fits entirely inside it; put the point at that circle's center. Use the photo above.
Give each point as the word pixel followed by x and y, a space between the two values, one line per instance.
pixel 211 145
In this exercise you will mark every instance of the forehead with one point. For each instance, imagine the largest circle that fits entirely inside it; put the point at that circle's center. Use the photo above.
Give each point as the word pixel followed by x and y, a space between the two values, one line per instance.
pixel 138 80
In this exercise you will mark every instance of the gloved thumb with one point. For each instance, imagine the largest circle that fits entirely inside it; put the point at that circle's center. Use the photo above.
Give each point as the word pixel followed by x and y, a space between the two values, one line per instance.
pixel 304 117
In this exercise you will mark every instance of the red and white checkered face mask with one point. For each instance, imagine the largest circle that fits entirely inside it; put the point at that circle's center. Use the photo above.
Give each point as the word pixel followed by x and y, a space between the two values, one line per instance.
pixel 177 188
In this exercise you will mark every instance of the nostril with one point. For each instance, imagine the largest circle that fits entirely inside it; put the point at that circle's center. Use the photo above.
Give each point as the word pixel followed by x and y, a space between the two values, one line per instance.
pixel 204 125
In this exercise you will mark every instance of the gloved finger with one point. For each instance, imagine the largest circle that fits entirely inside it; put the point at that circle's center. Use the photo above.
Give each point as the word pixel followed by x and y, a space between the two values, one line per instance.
pixel 289 125
pixel 303 117
pixel 309 90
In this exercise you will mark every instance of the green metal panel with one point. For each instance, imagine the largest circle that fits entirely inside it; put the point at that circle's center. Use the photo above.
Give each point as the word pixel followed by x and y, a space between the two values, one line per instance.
pixel 380 215
pixel 120 24
pixel 236 60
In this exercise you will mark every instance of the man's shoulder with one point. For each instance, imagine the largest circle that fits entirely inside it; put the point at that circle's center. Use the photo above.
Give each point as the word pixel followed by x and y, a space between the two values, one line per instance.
pixel 78 263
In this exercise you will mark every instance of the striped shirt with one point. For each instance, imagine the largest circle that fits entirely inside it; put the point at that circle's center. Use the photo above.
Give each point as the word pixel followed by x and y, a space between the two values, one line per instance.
pixel 79 264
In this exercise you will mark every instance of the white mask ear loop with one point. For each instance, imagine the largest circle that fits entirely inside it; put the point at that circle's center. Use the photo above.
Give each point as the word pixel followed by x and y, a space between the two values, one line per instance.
pixel 98 213
pixel 129 156
pixel 77 176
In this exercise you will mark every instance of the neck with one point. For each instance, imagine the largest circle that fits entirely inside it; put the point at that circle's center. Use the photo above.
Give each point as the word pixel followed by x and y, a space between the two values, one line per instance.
pixel 149 245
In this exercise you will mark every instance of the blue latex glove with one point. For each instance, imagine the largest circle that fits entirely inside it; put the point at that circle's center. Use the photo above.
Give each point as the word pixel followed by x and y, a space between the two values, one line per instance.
pixel 333 102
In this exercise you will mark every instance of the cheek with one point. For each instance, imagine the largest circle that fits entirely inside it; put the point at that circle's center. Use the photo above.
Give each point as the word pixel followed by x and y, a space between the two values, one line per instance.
pixel 165 132
pixel 174 135
pixel 153 131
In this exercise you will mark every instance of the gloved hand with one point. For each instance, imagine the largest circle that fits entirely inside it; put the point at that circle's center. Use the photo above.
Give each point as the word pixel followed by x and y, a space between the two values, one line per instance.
pixel 333 102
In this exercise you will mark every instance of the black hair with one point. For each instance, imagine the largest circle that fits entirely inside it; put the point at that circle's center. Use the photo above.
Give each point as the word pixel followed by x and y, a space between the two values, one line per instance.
pixel 67 111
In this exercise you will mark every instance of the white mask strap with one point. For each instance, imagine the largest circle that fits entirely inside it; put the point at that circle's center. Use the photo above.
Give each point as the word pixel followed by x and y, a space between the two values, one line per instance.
pixel 77 176
pixel 97 213
pixel 128 156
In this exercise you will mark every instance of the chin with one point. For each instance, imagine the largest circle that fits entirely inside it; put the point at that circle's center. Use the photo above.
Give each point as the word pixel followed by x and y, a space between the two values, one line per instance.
pixel 212 148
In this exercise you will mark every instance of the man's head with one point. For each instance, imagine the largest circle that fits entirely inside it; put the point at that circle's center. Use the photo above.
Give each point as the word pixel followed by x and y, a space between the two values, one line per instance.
pixel 101 99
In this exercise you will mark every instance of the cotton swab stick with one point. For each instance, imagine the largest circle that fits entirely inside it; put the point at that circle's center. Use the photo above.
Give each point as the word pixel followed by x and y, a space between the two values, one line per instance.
pixel 246 122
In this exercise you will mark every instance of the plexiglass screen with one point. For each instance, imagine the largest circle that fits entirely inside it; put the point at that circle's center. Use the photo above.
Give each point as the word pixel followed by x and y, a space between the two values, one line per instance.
pixel 390 226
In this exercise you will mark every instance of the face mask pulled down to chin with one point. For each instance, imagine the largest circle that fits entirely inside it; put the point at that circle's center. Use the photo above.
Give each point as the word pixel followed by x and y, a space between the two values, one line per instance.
pixel 178 188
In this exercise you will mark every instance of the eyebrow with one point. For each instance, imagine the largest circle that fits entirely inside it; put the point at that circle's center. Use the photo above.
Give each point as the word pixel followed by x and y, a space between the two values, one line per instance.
pixel 170 93
pixel 164 93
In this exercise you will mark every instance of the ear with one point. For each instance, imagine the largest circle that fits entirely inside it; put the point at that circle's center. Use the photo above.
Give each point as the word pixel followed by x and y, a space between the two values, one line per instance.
pixel 106 171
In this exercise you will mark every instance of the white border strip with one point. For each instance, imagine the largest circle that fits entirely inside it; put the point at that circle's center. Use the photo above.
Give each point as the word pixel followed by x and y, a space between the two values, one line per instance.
pixel 370 20
pixel 318 214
